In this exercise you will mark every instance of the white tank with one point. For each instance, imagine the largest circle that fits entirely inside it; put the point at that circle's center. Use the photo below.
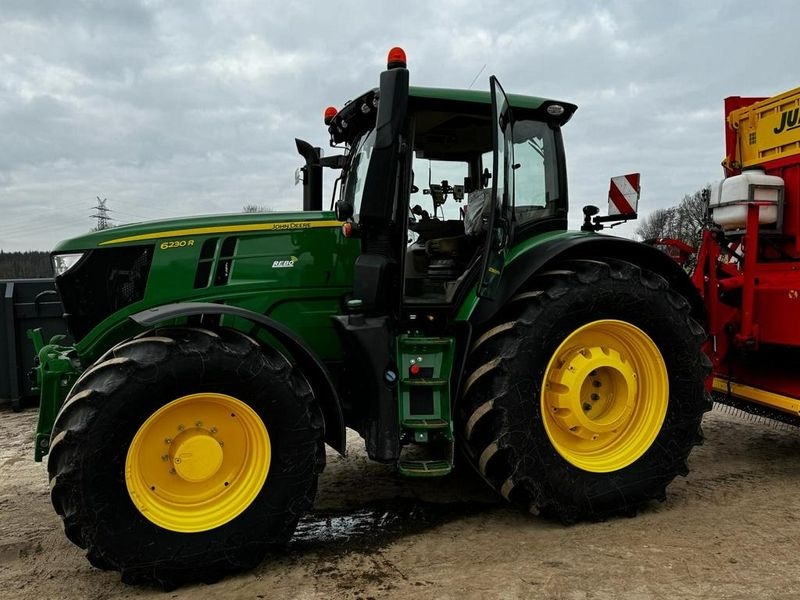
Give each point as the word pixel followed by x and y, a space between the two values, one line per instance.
pixel 729 197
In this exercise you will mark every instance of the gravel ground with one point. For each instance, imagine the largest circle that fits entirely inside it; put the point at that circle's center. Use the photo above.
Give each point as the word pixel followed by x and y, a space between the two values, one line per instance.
pixel 728 530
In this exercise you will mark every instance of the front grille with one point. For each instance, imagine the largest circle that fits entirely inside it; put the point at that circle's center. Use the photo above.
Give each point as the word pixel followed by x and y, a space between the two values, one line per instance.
pixel 103 282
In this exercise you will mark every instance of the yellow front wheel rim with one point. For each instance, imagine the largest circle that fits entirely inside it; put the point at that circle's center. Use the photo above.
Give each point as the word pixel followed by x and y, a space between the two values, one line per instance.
pixel 198 462
pixel 605 396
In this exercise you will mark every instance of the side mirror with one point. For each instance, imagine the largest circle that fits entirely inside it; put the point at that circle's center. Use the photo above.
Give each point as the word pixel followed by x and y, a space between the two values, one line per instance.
pixel 590 210
pixel 343 210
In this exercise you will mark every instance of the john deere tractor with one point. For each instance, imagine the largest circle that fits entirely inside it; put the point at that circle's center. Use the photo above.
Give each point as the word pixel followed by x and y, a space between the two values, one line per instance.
pixel 215 356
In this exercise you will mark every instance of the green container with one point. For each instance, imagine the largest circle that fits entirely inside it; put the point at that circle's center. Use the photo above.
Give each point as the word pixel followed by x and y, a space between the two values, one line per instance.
pixel 25 304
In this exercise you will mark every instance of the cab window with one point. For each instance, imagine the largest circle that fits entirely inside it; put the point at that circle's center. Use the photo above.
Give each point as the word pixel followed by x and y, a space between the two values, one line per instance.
pixel 534 171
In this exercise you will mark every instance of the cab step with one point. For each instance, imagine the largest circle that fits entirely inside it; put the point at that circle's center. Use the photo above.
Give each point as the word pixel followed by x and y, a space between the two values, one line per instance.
pixel 426 382
pixel 407 341
pixel 424 468
pixel 424 405
pixel 425 423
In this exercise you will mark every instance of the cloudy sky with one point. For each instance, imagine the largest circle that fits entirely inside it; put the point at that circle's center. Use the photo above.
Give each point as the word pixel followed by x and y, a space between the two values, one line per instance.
pixel 178 107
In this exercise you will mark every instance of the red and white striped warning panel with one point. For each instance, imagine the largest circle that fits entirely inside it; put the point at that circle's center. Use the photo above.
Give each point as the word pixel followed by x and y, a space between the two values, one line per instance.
pixel 623 195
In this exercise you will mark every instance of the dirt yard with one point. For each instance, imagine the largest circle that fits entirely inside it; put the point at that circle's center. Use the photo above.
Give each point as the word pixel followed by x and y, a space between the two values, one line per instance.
pixel 729 530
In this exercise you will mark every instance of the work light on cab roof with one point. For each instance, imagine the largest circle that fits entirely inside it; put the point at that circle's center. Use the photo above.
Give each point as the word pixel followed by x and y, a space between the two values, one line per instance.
pixel 330 113
pixel 397 58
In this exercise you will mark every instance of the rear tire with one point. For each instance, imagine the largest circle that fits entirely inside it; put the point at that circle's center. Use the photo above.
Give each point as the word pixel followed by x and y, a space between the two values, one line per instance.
pixel 531 423
pixel 110 464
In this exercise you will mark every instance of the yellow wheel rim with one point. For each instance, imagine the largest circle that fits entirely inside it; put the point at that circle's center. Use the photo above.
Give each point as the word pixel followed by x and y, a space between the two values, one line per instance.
pixel 605 396
pixel 198 462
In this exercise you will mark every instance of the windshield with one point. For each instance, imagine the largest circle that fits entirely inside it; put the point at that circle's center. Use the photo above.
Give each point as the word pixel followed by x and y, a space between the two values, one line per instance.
pixel 438 172
pixel 357 170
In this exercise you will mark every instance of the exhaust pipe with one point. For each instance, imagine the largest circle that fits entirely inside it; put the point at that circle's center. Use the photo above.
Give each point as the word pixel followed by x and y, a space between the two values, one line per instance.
pixel 312 175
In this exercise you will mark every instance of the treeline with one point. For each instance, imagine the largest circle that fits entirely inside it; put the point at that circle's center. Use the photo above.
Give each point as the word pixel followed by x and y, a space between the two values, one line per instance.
pixel 22 265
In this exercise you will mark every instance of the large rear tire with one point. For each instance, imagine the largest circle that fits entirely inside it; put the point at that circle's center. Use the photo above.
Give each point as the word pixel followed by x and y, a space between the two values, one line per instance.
pixel 184 455
pixel 583 398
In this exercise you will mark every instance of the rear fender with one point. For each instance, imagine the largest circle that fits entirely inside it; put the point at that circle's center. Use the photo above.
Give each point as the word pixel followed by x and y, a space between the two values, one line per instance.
pixel 305 358
pixel 563 247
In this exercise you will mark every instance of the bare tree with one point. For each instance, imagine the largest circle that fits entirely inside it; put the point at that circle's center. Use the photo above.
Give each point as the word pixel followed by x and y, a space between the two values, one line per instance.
pixel 683 222
pixel 256 208
pixel 657 224
pixel 691 215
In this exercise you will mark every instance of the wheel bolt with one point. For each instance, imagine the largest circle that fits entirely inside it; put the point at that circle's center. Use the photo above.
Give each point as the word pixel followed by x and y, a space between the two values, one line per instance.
pixel 167 441
pixel 181 427
pixel 165 457
pixel 595 397
pixel 596 383
pixel 587 407
pixel 198 424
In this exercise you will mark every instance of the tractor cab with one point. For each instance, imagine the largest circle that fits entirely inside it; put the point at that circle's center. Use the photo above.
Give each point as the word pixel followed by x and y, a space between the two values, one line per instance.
pixel 437 181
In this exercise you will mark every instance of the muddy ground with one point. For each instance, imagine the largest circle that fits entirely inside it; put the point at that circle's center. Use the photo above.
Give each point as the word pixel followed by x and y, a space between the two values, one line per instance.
pixel 731 529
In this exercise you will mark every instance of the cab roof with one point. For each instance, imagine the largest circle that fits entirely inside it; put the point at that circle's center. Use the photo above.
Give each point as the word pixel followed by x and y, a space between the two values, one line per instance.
pixel 359 113
pixel 517 101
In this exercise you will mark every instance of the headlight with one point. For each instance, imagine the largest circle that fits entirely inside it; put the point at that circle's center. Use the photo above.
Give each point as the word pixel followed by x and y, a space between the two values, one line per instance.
pixel 64 262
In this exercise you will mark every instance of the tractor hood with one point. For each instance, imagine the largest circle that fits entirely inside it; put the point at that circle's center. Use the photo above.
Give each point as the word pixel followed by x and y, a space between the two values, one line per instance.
pixel 249 259
pixel 167 230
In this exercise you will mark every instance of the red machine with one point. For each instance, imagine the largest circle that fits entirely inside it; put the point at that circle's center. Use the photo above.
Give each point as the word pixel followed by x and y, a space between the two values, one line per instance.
pixel 748 263
pixel 676 249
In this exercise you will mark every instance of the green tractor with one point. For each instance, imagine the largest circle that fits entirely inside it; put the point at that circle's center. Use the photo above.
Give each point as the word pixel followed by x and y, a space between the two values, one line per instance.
pixel 215 356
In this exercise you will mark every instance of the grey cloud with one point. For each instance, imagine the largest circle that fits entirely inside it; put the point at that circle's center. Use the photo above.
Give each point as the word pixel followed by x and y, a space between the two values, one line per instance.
pixel 189 107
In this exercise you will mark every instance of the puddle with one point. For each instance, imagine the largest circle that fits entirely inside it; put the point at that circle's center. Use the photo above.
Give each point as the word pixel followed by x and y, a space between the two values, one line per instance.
pixel 376 523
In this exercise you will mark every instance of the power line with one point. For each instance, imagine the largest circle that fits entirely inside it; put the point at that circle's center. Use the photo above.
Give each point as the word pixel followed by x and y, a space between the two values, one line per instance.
pixel 150 217
pixel 476 77
pixel 36 227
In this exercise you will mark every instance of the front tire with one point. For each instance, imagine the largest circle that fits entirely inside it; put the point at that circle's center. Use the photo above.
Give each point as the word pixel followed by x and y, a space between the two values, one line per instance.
pixel 583 399
pixel 184 455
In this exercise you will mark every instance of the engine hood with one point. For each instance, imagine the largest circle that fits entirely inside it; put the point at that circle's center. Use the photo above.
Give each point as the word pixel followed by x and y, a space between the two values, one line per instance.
pixel 169 229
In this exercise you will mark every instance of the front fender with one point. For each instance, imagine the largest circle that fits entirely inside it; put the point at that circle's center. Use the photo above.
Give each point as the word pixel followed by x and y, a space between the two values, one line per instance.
pixel 305 358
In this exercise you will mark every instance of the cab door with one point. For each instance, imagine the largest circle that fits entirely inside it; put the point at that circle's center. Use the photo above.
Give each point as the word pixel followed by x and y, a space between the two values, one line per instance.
pixel 499 221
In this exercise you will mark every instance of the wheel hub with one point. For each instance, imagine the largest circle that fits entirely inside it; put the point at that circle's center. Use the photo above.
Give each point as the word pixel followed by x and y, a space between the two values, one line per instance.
pixel 198 456
pixel 186 476
pixel 604 395
pixel 595 391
